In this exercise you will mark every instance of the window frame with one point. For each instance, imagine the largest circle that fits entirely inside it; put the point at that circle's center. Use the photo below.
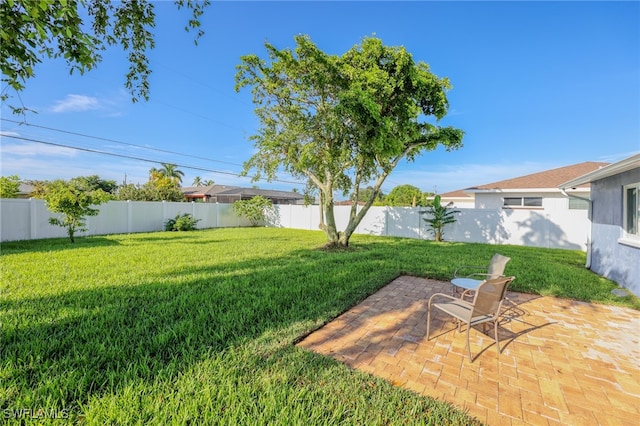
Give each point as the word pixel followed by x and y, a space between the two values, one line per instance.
pixel 633 237
pixel 578 203
pixel 524 203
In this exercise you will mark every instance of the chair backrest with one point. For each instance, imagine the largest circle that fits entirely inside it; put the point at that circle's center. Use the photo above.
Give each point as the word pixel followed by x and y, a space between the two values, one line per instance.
pixel 489 296
pixel 497 265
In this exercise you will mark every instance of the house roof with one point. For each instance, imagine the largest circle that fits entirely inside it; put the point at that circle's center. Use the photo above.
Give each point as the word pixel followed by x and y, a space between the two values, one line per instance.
pixel 268 193
pixel 542 180
pixel 206 190
pixel 25 189
pixel 627 164
pixel 211 190
pixel 456 194
pixel 546 180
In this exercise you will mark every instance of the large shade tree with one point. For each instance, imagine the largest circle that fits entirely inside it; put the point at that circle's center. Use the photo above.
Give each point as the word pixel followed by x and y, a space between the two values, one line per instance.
pixel 342 122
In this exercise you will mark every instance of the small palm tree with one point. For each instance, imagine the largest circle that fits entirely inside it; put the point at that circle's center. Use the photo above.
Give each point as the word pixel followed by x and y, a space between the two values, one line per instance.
pixel 208 182
pixel 197 181
pixel 171 171
pixel 440 216
pixel 154 173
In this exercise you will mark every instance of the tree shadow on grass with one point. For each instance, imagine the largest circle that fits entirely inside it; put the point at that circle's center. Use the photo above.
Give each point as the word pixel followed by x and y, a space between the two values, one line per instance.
pixel 68 349
pixel 55 244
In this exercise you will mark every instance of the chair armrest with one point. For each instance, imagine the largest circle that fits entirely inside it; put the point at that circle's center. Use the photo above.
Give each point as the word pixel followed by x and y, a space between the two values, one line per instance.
pixel 446 296
pixel 482 275
pixel 458 274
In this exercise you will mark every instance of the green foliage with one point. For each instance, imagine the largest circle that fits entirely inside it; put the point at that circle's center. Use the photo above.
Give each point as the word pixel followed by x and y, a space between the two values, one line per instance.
pixel 184 222
pixel 94 182
pixel 439 216
pixel 405 195
pixel 340 122
pixel 78 31
pixel 9 186
pixel 163 185
pixel 255 209
pixel 73 201
pixel 150 191
pixel 366 193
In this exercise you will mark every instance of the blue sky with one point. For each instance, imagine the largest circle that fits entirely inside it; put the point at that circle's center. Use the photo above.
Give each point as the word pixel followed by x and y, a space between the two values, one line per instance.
pixel 536 85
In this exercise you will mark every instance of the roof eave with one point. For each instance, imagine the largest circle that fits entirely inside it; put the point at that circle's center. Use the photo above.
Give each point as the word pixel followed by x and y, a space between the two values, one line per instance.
pixel 511 190
pixel 627 164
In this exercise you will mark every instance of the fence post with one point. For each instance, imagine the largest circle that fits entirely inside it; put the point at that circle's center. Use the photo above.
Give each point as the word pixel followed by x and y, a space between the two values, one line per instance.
pixel 32 218
pixel 386 221
pixel 164 211
pixel 129 217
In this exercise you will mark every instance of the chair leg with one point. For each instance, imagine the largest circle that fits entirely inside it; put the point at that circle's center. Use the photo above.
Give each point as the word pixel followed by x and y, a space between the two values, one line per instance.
pixel 469 347
pixel 428 322
pixel 495 333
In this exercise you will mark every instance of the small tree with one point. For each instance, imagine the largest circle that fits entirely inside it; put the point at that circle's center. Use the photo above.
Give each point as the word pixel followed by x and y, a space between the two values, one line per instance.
pixel 254 209
pixel 440 216
pixel 74 203
pixel 9 186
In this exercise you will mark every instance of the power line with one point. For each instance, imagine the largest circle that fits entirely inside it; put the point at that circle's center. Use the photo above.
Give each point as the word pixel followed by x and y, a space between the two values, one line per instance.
pixel 130 157
pixel 118 142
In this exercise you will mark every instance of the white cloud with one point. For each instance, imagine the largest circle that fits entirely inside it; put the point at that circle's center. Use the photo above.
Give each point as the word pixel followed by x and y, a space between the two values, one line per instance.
pixel 76 103
pixel 29 149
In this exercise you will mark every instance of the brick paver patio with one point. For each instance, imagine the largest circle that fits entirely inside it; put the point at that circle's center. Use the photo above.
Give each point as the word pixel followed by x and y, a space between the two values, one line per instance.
pixel 563 362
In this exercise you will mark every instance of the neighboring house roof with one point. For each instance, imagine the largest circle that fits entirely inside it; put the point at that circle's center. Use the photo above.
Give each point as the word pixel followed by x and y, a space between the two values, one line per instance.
pixel 199 191
pixel 225 190
pixel 627 164
pixel 460 194
pixel 348 203
pixel 268 193
pixel 25 190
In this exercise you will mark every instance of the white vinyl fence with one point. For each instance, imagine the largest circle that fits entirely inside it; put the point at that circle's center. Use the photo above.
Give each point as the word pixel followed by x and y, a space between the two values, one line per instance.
pixel 23 219
pixel 567 229
pixel 29 219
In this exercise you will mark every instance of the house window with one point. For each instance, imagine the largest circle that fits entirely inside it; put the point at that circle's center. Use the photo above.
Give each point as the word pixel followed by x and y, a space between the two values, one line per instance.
pixel 578 204
pixel 510 202
pixel 632 209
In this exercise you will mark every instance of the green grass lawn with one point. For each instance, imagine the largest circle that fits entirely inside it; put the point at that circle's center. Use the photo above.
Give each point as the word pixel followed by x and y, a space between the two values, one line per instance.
pixel 198 327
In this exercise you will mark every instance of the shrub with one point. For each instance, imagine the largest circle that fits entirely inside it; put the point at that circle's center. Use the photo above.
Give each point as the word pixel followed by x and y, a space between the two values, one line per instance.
pixel 184 222
pixel 254 209
pixel 9 186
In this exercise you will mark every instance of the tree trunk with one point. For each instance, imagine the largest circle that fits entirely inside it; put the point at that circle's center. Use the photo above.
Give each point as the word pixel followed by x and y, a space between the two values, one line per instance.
pixel 330 221
pixel 322 225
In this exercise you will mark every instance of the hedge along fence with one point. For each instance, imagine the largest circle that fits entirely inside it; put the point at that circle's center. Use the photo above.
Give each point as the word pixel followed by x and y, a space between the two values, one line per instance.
pixel 23 219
